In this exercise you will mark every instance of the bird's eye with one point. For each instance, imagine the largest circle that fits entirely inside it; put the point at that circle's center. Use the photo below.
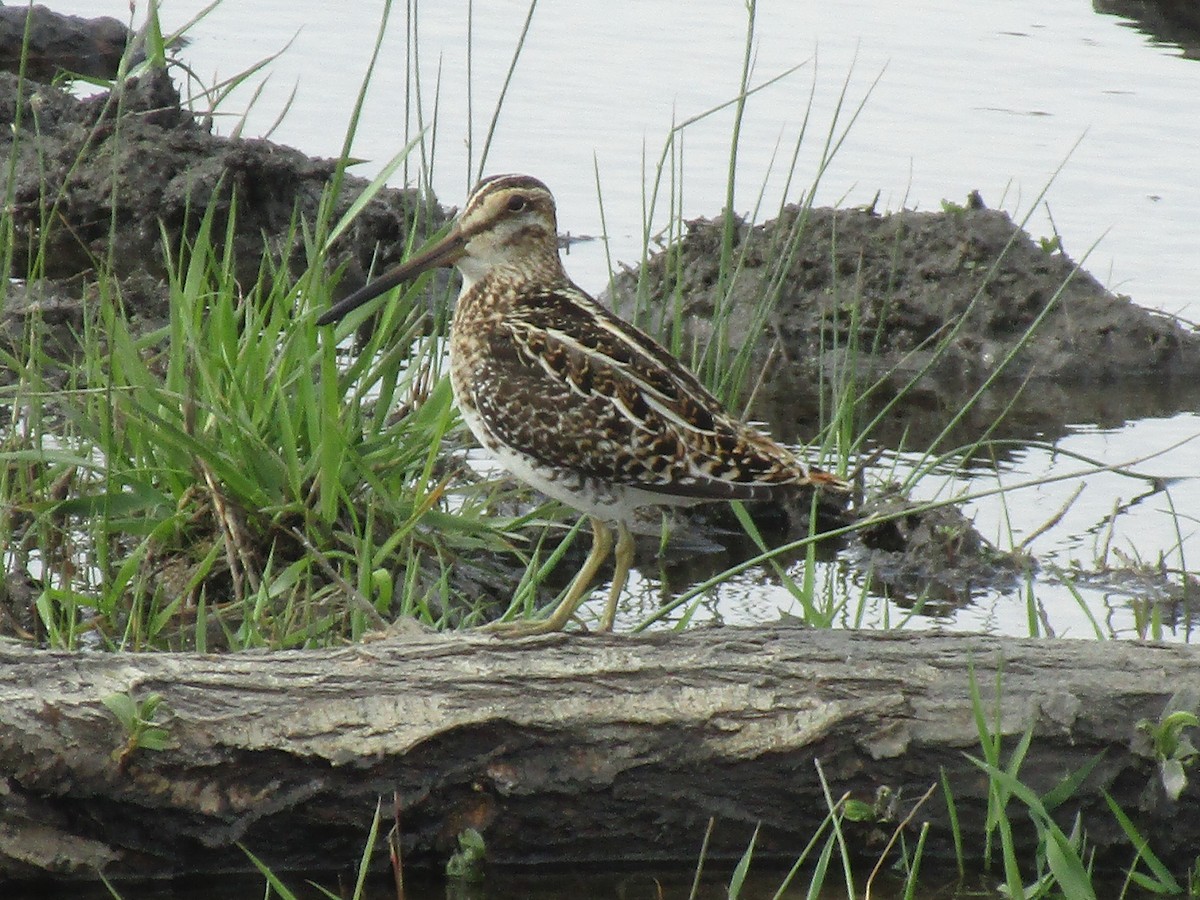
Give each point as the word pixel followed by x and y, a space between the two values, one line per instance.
pixel 516 203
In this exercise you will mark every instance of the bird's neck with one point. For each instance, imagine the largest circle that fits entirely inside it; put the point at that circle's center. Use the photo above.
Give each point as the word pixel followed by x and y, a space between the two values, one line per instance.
pixel 508 275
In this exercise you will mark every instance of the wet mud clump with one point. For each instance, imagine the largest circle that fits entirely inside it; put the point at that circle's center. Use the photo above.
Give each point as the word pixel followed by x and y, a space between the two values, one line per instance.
pixel 951 295
pixel 930 558
pixel 106 181
pixel 49 43
pixel 928 305
pixel 1169 21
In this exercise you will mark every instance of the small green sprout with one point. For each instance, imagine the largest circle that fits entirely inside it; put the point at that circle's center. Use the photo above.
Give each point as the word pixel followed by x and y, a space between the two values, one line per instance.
pixel 882 810
pixel 138 720
pixel 1050 245
pixel 1171 748
pixel 467 862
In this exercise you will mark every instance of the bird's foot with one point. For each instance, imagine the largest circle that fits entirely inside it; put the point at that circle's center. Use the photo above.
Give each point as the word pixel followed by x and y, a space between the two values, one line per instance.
pixel 528 628
pixel 522 628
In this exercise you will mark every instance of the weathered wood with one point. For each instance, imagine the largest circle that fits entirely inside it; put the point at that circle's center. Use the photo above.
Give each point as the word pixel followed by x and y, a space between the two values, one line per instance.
pixel 562 748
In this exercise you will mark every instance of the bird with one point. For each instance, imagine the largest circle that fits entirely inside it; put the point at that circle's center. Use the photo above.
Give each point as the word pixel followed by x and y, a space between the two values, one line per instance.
pixel 574 401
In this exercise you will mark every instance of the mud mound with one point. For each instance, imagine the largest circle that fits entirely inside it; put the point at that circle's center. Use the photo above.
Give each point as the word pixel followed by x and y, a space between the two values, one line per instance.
pixel 934 558
pixel 967 277
pixel 99 181
pixel 51 43
pixel 1169 21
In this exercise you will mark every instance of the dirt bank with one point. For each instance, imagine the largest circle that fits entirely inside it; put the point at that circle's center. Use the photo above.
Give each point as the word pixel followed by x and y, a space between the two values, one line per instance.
pixel 1170 21
pixel 100 181
pixel 934 303
pixel 50 44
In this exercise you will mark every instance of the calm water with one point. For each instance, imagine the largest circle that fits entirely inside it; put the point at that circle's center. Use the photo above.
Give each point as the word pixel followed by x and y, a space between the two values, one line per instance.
pixel 994 95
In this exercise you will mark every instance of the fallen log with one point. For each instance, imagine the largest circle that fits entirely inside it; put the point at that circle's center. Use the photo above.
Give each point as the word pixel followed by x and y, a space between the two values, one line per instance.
pixel 565 748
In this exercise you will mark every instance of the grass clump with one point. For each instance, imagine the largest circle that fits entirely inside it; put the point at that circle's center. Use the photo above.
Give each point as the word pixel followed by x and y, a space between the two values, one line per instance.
pixel 224 492
pixel 227 479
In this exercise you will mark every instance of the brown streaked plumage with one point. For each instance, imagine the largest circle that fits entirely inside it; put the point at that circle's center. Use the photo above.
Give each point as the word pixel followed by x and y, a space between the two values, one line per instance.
pixel 574 401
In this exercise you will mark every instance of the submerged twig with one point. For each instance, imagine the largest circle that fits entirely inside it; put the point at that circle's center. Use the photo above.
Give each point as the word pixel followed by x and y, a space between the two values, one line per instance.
pixel 1053 520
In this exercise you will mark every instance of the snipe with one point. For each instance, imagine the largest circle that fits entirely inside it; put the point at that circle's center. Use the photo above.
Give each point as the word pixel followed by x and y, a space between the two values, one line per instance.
pixel 572 400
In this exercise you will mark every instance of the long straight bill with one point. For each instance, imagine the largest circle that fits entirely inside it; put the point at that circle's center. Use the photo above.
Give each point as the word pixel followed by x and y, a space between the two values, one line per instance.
pixel 445 252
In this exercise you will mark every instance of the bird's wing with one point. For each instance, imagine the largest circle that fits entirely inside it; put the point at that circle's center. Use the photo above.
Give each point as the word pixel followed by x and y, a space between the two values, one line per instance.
pixel 570 385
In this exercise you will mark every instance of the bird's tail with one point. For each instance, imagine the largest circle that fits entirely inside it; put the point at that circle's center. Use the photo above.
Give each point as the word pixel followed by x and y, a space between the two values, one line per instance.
pixel 827 480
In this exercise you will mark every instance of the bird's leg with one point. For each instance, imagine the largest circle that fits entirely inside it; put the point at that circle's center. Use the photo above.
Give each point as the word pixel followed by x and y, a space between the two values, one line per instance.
pixel 624 560
pixel 602 543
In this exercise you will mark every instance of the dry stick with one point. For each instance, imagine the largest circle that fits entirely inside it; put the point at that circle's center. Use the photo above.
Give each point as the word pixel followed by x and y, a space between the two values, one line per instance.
pixel 364 605
pixel 895 836
pixel 1108 533
pixel 1053 520
pixel 395 851
pixel 237 554
pixel 57 550
pixel 1044 618
pixel 775 350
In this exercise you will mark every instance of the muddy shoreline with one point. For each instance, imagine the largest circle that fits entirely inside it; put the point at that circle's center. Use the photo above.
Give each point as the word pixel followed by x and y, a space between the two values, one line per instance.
pixel 939 299
pixel 120 171
pixel 928 305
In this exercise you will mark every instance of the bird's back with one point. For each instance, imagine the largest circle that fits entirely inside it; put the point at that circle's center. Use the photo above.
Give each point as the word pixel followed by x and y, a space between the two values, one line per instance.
pixel 551 375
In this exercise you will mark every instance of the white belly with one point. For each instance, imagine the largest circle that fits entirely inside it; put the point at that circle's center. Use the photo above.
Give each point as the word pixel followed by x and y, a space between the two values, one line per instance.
pixel 591 496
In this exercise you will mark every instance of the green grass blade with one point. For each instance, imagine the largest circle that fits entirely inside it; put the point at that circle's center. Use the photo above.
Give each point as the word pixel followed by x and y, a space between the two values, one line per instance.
pixel 1164 882
pixel 738 880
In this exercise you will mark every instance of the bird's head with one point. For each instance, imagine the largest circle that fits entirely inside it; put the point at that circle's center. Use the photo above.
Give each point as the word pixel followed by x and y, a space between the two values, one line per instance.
pixel 508 223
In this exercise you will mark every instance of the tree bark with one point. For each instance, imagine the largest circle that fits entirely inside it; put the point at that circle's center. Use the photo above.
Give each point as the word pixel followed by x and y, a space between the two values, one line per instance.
pixel 565 749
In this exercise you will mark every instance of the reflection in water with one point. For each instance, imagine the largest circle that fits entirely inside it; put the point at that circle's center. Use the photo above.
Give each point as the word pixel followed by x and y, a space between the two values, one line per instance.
pixel 1036 411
